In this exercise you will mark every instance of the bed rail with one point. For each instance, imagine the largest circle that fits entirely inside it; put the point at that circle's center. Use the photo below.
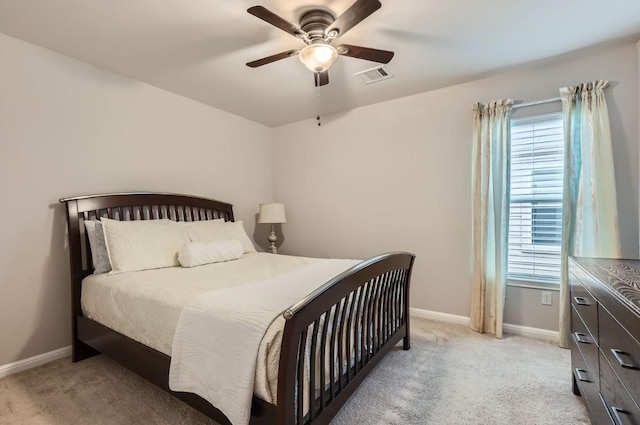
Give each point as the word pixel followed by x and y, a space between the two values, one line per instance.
pixel 338 333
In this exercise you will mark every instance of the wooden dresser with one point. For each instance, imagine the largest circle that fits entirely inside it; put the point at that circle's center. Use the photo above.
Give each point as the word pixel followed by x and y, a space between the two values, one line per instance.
pixel 605 327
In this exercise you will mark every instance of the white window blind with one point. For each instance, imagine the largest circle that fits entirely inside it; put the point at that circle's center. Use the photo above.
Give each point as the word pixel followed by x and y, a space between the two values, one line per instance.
pixel 535 218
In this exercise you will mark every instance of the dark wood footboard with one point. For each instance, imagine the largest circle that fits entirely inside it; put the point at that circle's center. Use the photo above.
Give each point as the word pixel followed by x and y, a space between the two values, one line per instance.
pixel 332 339
pixel 335 336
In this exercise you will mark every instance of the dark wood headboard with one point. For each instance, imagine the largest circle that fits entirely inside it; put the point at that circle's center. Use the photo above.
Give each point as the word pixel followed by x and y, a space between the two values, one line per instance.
pixel 128 206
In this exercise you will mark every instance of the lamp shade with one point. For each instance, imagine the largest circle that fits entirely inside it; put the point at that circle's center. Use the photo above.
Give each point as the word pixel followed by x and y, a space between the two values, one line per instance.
pixel 272 213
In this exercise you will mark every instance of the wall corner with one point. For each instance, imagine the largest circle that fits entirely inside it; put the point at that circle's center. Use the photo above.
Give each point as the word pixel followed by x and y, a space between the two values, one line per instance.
pixel 638 112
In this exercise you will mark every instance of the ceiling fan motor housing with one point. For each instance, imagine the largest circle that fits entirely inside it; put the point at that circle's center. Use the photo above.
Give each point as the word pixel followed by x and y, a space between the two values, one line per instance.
pixel 315 21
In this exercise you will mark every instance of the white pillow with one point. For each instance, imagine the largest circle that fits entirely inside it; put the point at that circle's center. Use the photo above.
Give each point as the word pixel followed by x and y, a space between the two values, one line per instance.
pixel 99 254
pixel 103 265
pixel 213 230
pixel 198 253
pixel 90 226
pixel 235 230
pixel 143 244
pixel 205 230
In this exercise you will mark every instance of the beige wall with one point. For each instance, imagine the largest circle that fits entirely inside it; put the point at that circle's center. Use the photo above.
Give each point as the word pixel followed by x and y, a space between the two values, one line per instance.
pixel 68 128
pixel 397 176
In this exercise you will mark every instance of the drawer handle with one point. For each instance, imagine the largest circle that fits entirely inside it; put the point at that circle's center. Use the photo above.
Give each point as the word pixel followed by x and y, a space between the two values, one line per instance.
pixel 580 337
pixel 581 301
pixel 616 415
pixel 582 375
pixel 618 355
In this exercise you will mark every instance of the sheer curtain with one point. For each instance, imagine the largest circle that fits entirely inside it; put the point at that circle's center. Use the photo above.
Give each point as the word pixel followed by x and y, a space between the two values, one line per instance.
pixel 490 214
pixel 590 215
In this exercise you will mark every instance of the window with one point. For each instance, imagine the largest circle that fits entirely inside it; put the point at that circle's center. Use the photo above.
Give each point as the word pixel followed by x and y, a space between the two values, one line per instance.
pixel 535 218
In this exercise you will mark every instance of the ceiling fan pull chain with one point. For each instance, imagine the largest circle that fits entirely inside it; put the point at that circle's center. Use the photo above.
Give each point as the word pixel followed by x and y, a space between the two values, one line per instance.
pixel 318 98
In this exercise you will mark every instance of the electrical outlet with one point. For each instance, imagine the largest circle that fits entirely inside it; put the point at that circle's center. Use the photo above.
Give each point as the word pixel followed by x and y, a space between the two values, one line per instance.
pixel 546 298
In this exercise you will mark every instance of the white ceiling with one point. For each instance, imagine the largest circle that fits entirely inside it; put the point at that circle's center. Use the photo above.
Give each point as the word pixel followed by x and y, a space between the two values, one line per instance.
pixel 198 48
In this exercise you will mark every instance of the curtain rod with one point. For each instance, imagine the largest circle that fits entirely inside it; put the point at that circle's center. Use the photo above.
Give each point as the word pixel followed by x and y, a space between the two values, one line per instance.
pixel 536 102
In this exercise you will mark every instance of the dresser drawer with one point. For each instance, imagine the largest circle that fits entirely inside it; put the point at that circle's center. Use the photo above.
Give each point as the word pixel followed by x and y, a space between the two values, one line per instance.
pixel 585 343
pixel 619 403
pixel 585 305
pixel 622 351
pixel 588 388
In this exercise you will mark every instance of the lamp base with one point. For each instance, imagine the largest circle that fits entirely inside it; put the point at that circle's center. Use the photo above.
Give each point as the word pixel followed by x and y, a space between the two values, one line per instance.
pixel 273 238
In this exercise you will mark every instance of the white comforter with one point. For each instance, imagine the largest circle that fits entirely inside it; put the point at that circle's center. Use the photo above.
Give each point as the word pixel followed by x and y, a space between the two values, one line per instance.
pixel 218 335
pixel 146 305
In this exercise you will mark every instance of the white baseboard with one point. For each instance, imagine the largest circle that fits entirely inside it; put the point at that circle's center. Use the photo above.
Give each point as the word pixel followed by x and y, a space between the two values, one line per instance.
pixel 31 362
pixel 535 333
pixel 441 317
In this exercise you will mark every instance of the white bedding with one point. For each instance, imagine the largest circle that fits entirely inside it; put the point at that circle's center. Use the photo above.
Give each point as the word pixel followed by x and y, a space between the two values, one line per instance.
pixel 219 333
pixel 146 305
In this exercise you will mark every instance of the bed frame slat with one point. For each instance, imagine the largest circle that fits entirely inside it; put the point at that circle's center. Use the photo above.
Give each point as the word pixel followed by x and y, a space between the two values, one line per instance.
pixel 351 337
pixel 323 358
pixel 370 316
pixel 313 365
pixel 359 330
pixel 385 303
pixel 341 349
pixel 300 384
pixel 333 348
pixel 375 320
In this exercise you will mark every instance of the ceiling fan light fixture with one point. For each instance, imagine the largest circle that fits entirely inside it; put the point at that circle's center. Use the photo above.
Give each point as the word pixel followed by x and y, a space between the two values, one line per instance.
pixel 318 57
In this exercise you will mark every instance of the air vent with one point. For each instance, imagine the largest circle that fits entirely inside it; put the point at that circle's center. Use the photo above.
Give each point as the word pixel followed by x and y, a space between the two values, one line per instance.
pixel 374 75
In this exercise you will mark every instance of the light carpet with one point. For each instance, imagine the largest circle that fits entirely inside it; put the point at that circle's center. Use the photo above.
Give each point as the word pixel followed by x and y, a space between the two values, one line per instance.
pixel 451 375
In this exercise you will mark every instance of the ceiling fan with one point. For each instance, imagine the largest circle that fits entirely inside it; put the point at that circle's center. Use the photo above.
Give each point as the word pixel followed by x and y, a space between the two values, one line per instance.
pixel 318 28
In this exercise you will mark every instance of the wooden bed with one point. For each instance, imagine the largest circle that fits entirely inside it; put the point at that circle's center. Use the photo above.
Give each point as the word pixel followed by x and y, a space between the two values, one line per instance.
pixel 370 300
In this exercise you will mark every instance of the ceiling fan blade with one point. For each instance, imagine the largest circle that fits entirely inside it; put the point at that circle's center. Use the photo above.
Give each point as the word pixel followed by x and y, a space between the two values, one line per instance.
pixel 321 78
pixel 272 58
pixel 273 19
pixel 358 11
pixel 359 52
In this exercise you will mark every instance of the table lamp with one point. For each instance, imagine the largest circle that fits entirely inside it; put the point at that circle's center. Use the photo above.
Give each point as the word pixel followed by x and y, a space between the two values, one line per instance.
pixel 272 213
